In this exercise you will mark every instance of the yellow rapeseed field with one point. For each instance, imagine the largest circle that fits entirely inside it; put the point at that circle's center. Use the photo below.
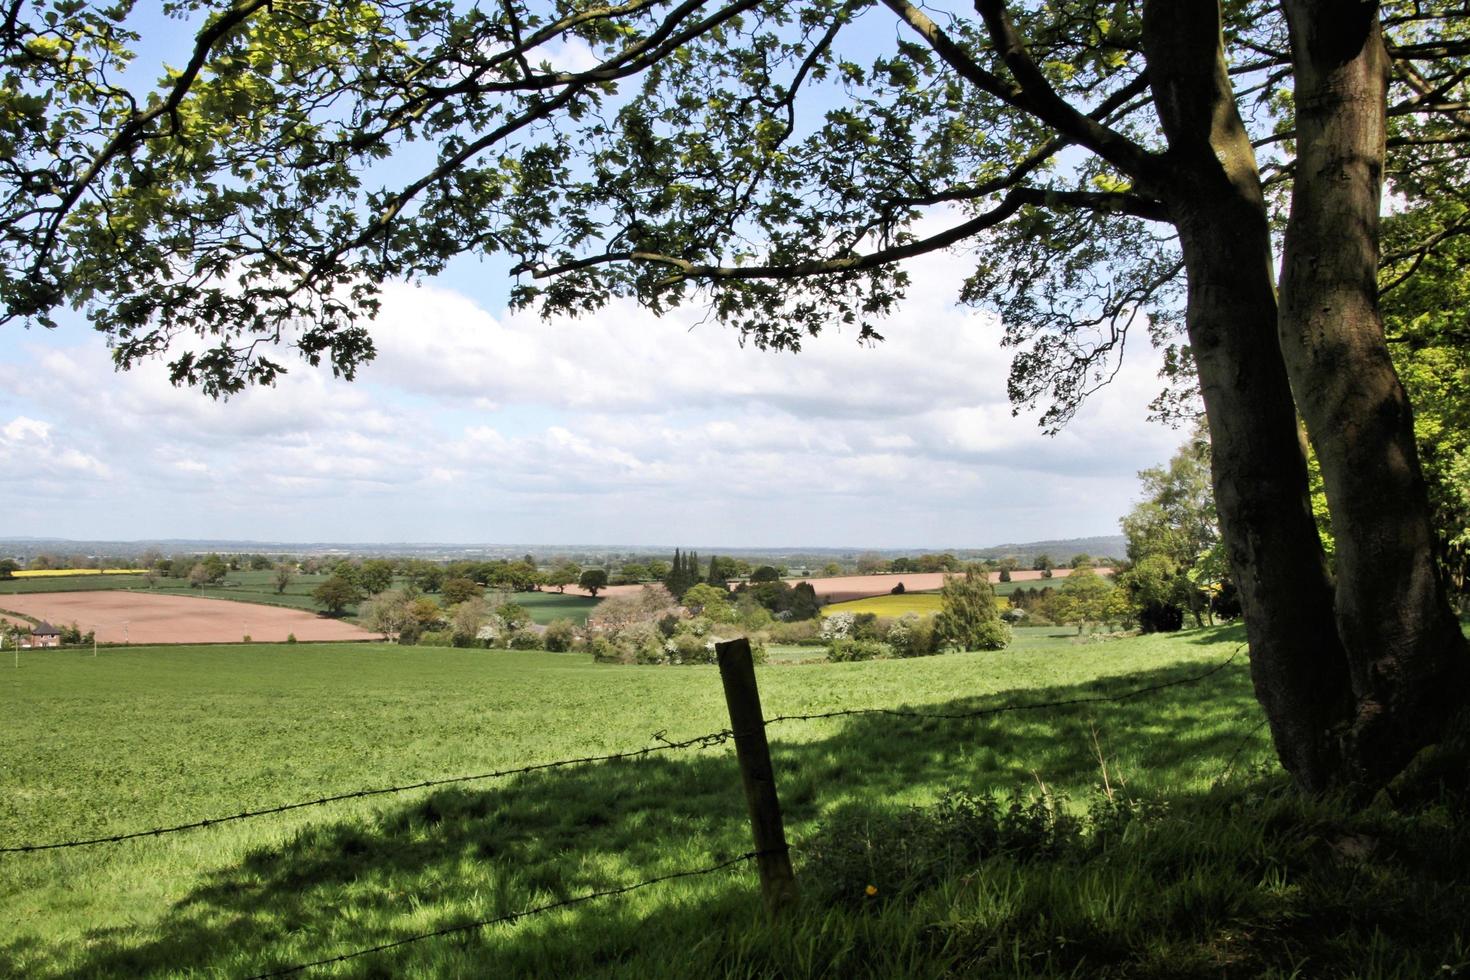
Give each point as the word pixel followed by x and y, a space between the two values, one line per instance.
pixel 918 603
pixel 54 572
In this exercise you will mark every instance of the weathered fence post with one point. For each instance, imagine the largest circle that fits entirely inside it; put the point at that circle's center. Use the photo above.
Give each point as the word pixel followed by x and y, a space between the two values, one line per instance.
pixel 773 858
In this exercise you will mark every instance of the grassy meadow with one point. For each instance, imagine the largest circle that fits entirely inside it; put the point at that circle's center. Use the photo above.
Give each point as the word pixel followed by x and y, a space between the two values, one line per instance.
pixel 153 736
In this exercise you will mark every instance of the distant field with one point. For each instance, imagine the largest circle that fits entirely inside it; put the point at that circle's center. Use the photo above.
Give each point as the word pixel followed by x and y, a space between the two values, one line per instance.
pixel 158 617
pixel 259 587
pixel 55 572
pixel 546 606
pixel 918 603
pixel 76 583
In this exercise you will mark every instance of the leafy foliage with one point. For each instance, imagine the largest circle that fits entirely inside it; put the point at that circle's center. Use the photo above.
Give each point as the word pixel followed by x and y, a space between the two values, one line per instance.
pixel 969 618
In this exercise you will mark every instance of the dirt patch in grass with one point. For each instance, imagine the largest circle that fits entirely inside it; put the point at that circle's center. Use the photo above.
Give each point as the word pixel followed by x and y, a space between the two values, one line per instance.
pixel 135 617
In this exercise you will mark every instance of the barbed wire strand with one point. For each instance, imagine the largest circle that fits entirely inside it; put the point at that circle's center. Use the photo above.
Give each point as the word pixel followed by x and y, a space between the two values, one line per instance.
pixel 1240 747
pixel 700 741
pixel 509 917
pixel 1002 709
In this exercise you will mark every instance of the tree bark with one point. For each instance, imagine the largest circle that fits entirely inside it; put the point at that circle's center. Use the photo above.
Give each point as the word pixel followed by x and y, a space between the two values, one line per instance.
pixel 1213 190
pixel 1407 658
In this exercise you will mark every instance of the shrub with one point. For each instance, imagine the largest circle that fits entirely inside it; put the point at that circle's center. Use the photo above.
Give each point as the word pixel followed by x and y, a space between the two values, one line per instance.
pixel 837 626
pixel 846 651
pixel 290 637
pixel 524 640
pixel 688 648
pixel 560 635
pixel 640 643
pixel 602 650
pixel 991 635
pixel 805 632
pixel 865 626
pixel 435 638
pixel 913 636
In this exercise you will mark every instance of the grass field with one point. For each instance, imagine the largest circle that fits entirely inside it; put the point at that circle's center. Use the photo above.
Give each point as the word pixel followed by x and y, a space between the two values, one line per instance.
pixel 146 737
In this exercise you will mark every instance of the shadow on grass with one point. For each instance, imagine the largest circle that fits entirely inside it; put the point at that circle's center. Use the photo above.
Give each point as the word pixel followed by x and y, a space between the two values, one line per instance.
pixel 468 855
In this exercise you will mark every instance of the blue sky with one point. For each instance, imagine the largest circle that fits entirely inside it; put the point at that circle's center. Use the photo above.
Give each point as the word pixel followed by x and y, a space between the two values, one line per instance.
pixel 475 424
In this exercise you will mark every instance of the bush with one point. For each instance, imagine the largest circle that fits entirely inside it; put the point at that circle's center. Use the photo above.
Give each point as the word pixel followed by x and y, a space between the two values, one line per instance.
pixel 290 637
pixel 602 650
pixel 560 635
pixel 805 632
pixel 435 638
pixel 990 635
pixel 913 636
pixel 865 626
pixel 687 648
pixel 847 651
pixel 640 643
pixel 524 640
pixel 837 626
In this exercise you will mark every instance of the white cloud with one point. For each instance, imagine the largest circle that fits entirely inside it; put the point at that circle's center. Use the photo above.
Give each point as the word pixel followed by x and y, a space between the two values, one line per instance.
pixel 619 427
pixel 29 453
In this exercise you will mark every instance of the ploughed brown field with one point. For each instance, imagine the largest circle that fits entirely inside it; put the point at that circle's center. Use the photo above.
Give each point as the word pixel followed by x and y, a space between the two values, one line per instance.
pixel 138 617
pixel 844 587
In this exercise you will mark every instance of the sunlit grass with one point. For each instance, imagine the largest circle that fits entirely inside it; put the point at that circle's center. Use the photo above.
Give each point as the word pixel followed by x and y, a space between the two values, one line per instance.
pixel 143 737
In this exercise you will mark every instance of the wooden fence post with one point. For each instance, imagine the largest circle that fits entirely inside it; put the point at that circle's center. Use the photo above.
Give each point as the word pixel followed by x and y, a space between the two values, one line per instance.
pixel 737 671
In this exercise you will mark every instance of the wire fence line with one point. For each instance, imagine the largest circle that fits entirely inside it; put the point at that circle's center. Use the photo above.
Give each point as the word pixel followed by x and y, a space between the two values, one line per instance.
pixel 707 740
pixel 699 741
pixel 509 917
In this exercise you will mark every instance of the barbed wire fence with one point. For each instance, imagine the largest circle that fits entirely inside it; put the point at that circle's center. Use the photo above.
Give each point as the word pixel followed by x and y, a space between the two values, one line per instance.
pixel 775 853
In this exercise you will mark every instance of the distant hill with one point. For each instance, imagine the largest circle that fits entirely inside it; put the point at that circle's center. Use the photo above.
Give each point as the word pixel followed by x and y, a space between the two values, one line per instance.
pixel 1101 546
pixel 1060 550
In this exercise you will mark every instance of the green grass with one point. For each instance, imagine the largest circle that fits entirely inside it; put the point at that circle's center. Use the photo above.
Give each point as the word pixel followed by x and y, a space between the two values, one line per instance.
pixel 546 606
pixel 143 737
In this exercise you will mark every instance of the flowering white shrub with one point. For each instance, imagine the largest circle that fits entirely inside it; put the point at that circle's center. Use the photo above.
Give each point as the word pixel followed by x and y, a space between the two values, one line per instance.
pixel 838 626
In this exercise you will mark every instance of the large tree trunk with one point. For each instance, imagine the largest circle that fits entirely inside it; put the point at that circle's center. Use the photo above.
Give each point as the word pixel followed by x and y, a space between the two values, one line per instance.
pixel 1214 194
pixel 1407 658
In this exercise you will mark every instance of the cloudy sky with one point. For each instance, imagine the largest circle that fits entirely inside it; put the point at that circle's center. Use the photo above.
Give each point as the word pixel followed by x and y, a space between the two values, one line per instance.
pixel 479 425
